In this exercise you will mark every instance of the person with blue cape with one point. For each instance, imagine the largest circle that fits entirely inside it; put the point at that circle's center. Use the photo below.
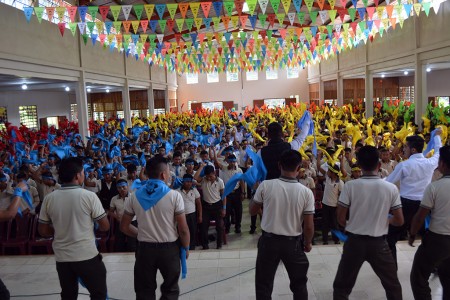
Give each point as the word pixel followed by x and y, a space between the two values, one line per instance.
pixel 163 234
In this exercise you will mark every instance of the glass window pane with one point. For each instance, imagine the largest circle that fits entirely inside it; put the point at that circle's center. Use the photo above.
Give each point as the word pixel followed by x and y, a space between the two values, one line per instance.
pixel 271 74
pixel 232 76
pixel 191 78
pixel 252 75
pixel 212 77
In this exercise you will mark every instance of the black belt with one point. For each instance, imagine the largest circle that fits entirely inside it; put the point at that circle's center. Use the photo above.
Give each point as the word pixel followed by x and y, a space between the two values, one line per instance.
pixel 146 245
pixel 211 204
pixel 367 237
pixel 281 237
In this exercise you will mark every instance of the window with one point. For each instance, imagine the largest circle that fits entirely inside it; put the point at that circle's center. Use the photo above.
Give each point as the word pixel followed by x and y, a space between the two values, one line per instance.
pixel 232 76
pixel 28 116
pixel 19 4
pixel 212 105
pixel 212 77
pixel 3 117
pixel 292 73
pixel 135 113
pixel 273 103
pixel 52 121
pixel 443 101
pixel 252 75
pixel 120 114
pixel 99 116
pixel 271 74
pixel 191 78
pixel 407 93
pixel 160 111
pixel 74 112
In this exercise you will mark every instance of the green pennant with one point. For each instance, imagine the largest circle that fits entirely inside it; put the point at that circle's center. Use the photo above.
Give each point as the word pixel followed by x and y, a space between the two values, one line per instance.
pixel 73 28
pixel 426 7
pixel 262 19
pixel 85 38
pixel 39 11
pixel 281 17
pixel 189 23
pixel 381 30
pixel 301 17
pixel 216 21
pixel 117 25
pixel 162 25
pixel 362 25
pixel 198 23
pixel 255 34
pixel 138 9
pixel 332 14
pixel 93 11
pixel 269 34
pixel 90 26
pixel 172 8
pixel 313 16
pixel 309 4
pixel 352 13
pixel 180 23
pixel 115 10
pixel 275 4
pixel 229 5
pixel 251 6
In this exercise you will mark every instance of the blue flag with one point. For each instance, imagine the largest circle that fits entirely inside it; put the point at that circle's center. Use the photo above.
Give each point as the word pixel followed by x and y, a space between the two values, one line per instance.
pixel 430 145
pixel 153 191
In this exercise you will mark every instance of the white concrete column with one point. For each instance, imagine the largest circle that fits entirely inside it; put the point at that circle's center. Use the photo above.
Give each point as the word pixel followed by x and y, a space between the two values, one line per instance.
pixel 126 103
pixel 340 91
pixel 82 107
pixel 321 91
pixel 420 91
pixel 151 101
pixel 369 93
pixel 166 100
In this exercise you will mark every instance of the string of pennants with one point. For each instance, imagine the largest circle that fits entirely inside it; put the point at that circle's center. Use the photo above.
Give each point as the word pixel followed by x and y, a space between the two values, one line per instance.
pixel 231 51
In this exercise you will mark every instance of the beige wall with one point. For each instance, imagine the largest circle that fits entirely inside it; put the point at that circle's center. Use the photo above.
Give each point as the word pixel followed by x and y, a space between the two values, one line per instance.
pixel 242 92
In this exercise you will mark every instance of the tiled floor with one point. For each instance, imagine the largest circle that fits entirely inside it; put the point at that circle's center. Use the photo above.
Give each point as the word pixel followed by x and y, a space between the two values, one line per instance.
pixel 225 274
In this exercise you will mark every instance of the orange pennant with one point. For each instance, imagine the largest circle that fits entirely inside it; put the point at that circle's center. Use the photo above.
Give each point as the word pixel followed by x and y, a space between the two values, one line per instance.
pixel 126 26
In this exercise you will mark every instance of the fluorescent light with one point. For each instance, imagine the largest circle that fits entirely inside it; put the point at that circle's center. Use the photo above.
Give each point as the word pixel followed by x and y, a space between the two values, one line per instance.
pixel 428 69
pixel 406 72
pixel 24 86
pixel 67 88
pixel 382 75
pixel 88 90
pixel 107 90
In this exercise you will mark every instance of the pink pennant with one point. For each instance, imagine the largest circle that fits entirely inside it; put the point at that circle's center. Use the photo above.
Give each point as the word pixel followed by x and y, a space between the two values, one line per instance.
pixel 62 28
pixel 72 11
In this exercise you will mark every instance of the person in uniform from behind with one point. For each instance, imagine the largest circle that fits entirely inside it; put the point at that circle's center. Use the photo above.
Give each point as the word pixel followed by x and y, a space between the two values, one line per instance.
pixel 288 228
pixel 368 200
pixel 434 252
pixel 69 214
pixel 162 228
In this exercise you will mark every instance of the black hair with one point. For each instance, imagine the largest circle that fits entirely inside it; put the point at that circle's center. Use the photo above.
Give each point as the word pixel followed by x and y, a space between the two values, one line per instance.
pixel 290 160
pixel 274 130
pixel 368 158
pixel 203 152
pixel 383 150
pixel 131 168
pixel 416 142
pixel 209 169
pixel 68 169
pixel 176 154
pixel 359 145
pixel 444 153
pixel 190 160
pixel 231 156
pixel 155 166
pixel 348 149
pixel 21 176
pixel 188 176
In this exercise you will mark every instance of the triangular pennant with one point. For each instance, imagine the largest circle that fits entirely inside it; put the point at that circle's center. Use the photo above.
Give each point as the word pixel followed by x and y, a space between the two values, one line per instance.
pixel 180 23
pixel 262 19
pixel 239 6
pixel 301 18
pixel 144 25
pixel 172 8
pixel 73 28
pixel 198 23
pixel 361 12
pixel 226 21
pixel 365 3
pixel 234 21
pixel 62 28
pixel 291 17
pixel 138 9
pixel 408 8
pixel 94 38
pixel 251 6
pixel 253 20
pixel 263 5
pixel 170 24
pixel 50 13
pixel 352 13
pixel 60 11
pixel 417 8
pixel 321 4
pixel 436 5
pixel 126 11
pixel 389 10
pixel 85 38
pixel 309 4
pixel 332 14
pixel 117 26
pixel 160 9
pixel 380 12
pixel 93 11
pixel 207 22
pixel 323 16
pixel 286 5
pixel 103 12
pixel 393 22
pixel 275 5
pixel 271 18
pixel 160 38
pixel 91 26
pixel 135 25
pixel 28 11
pixel 206 7
pixel 426 7
pixel 228 5
pixel 81 27
pixel 243 20
pixel 297 5
pixel 102 39
pixel 332 3
pixel 149 8
pixel 217 8
pixel 108 26
pixel 370 12
pixel 313 16
pixel 126 26
pixel 99 26
pixel 115 10
pixel 189 23
pixel 72 12
pixel 195 6
pixel 281 17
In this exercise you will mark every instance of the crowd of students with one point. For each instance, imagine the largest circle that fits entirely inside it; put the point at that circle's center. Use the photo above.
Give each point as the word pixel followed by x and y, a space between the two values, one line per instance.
pixel 204 150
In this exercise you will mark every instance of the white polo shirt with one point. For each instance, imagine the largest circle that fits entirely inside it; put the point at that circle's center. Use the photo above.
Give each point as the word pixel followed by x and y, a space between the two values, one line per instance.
pixel 226 175
pixel 285 202
pixel 211 190
pixel 72 211
pixel 118 204
pixel 189 199
pixel 331 191
pixel 157 224
pixel 308 182
pixel 369 200
pixel 436 198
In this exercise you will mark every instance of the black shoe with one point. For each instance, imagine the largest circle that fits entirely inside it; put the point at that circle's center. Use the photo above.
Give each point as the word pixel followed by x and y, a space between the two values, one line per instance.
pixel 237 231
pixel 252 231
pixel 337 242
pixel 205 247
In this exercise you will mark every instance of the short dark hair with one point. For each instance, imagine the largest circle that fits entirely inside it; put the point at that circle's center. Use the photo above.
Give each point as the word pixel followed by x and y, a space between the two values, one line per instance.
pixel 21 176
pixel 69 168
pixel 188 176
pixel 290 160
pixel 131 168
pixel 444 153
pixel 203 152
pixel 368 158
pixel 274 130
pixel 416 142
pixel 176 154
pixel 209 169
pixel 155 166
pixel 383 150
pixel 121 181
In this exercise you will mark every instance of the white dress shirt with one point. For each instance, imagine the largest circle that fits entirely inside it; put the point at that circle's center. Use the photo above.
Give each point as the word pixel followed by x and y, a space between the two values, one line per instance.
pixel 415 173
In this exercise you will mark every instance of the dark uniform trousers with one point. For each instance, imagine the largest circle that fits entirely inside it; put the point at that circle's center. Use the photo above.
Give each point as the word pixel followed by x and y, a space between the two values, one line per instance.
pixel 92 273
pixel 433 252
pixel 191 220
pixel 234 205
pixel 374 250
pixel 151 257
pixel 409 207
pixel 212 212
pixel 122 242
pixel 4 293
pixel 329 221
pixel 273 248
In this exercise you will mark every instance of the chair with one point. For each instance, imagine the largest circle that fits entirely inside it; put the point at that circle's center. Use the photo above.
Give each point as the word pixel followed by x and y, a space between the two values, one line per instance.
pixel 37 241
pixel 101 239
pixel 17 234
